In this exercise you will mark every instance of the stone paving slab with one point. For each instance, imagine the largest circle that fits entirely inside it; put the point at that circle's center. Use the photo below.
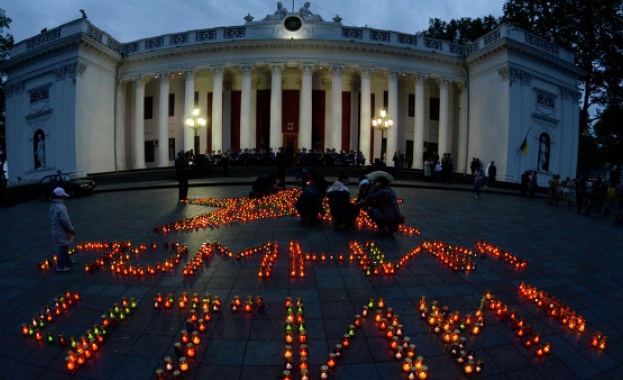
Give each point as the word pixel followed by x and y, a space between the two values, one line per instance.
pixel 575 258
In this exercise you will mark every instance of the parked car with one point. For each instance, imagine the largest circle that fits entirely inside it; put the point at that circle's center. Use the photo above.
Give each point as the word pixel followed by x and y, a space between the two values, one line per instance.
pixel 71 182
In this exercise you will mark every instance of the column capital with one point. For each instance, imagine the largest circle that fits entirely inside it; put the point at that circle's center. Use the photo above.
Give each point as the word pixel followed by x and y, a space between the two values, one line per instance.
pixel 189 74
pixel 365 72
pixel 394 75
pixel 443 83
pixel 337 69
pixel 139 80
pixel 218 70
pixel 276 68
pixel 246 68
pixel 163 76
pixel 421 77
pixel 307 68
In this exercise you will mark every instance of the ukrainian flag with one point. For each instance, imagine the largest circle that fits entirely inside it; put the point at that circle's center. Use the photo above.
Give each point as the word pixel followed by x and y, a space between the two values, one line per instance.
pixel 524 145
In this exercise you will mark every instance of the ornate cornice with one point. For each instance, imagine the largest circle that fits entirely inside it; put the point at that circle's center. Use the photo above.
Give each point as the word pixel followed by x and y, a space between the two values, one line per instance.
pixel 512 74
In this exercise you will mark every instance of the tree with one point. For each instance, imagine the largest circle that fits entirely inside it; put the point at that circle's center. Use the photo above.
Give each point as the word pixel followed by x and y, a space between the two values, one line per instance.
pixel 592 31
pixel 463 31
pixel 6 42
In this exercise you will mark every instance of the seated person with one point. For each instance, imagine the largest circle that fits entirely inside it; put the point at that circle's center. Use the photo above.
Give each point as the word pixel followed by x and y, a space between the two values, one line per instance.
pixel 309 204
pixel 383 209
pixel 342 210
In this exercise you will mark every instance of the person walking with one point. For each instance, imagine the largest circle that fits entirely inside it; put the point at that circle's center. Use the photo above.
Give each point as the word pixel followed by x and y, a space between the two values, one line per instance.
pixel 492 173
pixel 63 232
pixel 479 179
pixel 182 170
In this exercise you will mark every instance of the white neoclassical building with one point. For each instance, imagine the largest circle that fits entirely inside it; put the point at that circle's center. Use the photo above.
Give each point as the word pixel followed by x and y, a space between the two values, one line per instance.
pixel 79 100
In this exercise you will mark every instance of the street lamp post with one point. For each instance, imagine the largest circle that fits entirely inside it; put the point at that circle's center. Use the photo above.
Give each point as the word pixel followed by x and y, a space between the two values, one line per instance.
pixel 382 123
pixel 196 122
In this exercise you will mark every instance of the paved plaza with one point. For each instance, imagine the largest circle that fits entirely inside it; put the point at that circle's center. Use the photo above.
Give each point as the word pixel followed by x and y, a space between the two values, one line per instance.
pixel 572 261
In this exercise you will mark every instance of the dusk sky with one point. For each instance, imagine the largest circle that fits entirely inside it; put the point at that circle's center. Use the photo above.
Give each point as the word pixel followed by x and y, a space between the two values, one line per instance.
pixel 129 20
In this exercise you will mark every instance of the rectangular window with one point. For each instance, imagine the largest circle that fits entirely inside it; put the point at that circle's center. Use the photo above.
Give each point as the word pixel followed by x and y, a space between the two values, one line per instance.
pixel 171 105
pixel 149 107
pixel 434 108
pixel 196 99
pixel 172 149
pixel 150 151
pixel 411 105
pixel 39 94
pixel 385 100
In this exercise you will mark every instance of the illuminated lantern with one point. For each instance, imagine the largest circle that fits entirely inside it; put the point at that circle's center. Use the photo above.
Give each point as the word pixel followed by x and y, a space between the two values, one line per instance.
pixel 183 364
pixel 168 364
pixel 331 360
pixel 325 372
pixel 406 365
pixel 69 363
pixel 190 350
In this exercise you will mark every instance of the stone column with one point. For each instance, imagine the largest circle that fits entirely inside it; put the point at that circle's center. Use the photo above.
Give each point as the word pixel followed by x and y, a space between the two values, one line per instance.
pixel 245 107
pixel 392 111
pixel 336 108
pixel 305 122
pixel 364 118
pixel 461 160
pixel 163 120
pixel 444 110
pixel 275 108
pixel 418 130
pixel 139 123
pixel 217 108
pixel 189 105
pixel 120 133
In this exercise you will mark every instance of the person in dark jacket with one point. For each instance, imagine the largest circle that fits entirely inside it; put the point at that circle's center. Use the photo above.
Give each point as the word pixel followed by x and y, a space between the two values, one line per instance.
pixel 63 232
pixel 342 210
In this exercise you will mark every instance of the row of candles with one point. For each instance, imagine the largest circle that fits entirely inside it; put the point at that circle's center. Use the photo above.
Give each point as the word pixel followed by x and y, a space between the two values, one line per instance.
pixel 518 324
pixel 84 348
pixel 295 334
pixel 487 248
pixel 190 338
pixel 558 310
pixel 234 210
pixel 61 305
pixel 450 326
pixel 403 350
pixel 455 257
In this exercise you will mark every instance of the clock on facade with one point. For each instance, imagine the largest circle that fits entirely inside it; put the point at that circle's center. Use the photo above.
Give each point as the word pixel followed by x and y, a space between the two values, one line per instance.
pixel 293 23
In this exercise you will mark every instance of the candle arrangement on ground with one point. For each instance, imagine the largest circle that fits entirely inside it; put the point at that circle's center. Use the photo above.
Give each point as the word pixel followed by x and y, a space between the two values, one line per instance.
pixel 234 210
pixel 487 248
pixel 523 330
pixel 450 327
pixel 186 348
pixel 60 305
pixel 558 310
pixel 297 260
pixel 84 348
pixel 295 336
pixel 455 257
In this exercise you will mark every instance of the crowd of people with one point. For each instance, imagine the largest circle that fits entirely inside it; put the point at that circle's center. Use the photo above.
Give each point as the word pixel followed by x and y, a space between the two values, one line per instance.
pixel 296 157
pixel 374 195
pixel 589 196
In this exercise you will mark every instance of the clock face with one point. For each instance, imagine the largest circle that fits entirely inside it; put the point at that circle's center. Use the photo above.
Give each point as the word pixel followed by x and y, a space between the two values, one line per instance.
pixel 293 23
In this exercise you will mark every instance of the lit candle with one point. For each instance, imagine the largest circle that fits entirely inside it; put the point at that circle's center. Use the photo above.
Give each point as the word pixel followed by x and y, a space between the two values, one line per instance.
pixel 183 364
pixel 324 372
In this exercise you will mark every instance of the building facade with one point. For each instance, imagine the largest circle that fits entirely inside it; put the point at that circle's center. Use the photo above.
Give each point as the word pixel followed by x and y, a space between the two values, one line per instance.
pixel 79 100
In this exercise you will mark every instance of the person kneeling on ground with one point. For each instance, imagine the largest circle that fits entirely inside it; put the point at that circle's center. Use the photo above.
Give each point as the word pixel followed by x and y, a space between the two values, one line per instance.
pixel 383 209
pixel 309 204
pixel 342 210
